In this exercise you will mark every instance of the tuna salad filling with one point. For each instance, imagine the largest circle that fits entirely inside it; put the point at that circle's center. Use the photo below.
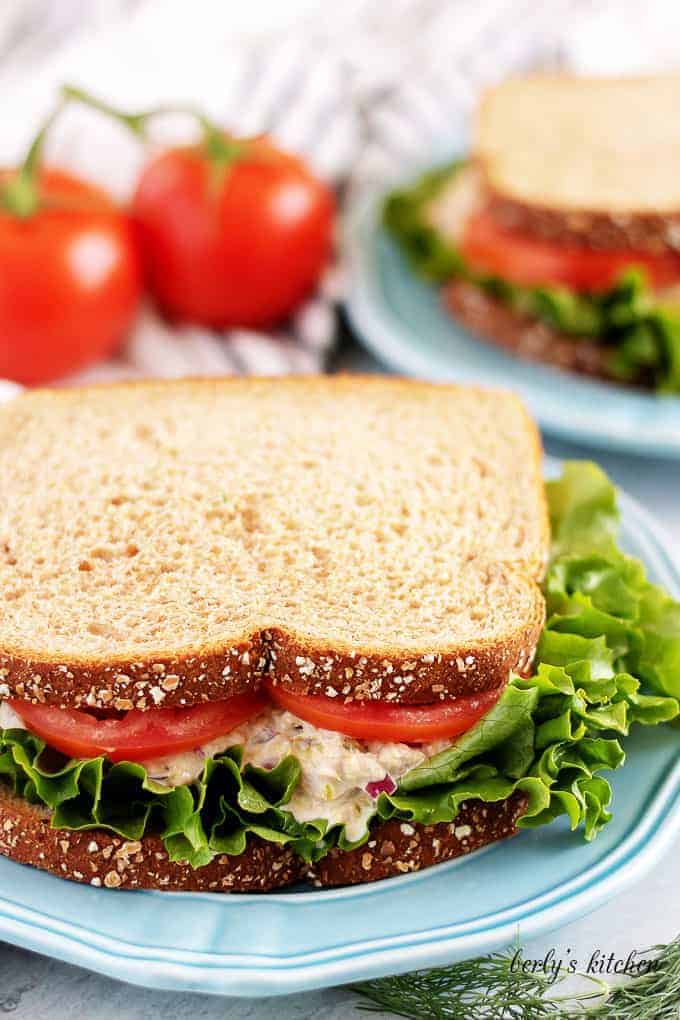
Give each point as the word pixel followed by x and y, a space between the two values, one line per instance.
pixel 340 777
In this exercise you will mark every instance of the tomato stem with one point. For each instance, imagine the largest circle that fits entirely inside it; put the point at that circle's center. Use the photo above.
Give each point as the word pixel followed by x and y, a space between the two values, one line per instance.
pixel 135 122
pixel 218 146
pixel 20 196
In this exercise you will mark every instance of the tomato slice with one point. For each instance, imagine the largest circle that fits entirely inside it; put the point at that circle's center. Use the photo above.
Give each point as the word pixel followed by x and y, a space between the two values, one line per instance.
pixel 379 720
pixel 137 736
pixel 490 248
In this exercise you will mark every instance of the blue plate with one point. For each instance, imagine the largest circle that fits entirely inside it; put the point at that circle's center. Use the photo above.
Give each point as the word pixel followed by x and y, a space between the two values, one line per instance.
pixel 399 319
pixel 287 942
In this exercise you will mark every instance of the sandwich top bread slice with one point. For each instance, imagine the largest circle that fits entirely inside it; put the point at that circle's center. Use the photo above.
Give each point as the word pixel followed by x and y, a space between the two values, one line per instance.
pixel 566 218
pixel 588 151
pixel 259 632
pixel 340 525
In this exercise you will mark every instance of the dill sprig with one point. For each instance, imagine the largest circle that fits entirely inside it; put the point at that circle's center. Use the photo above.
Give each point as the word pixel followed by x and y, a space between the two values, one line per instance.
pixel 490 988
pixel 654 995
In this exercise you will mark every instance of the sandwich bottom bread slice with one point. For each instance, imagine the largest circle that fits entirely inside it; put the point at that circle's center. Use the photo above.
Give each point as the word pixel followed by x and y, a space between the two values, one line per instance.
pixel 562 245
pixel 325 630
pixel 105 859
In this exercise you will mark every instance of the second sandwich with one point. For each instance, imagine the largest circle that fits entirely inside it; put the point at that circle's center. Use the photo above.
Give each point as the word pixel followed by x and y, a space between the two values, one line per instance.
pixel 558 238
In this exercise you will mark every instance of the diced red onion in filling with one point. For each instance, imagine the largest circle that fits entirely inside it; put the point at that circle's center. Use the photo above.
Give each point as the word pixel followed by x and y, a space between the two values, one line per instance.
pixel 378 786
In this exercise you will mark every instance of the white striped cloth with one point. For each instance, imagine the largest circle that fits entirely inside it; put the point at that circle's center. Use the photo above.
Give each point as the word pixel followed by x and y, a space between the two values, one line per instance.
pixel 362 92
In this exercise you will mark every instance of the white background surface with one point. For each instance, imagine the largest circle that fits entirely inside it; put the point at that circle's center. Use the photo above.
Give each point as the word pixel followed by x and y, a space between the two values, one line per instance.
pixel 33 987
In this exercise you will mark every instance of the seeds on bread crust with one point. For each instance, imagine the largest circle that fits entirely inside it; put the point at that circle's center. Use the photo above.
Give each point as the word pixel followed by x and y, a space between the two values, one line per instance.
pixel 102 859
pixel 290 660
pixel 399 848
pixel 420 679
pixel 212 676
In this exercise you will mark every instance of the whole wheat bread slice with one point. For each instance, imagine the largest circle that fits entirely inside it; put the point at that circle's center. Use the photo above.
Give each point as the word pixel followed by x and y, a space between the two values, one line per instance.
pixel 168 543
pixel 584 160
pixel 100 858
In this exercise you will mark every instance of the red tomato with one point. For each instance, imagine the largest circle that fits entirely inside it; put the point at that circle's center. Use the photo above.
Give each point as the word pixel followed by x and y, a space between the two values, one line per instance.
pixel 235 245
pixel 70 280
pixel 378 720
pixel 522 260
pixel 137 736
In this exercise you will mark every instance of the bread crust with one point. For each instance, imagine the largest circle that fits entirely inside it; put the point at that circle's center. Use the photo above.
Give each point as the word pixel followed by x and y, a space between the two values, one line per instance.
pixel 590 228
pixel 397 848
pixel 101 859
pixel 523 335
pixel 297 662
pixel 188 678
pixel 305 667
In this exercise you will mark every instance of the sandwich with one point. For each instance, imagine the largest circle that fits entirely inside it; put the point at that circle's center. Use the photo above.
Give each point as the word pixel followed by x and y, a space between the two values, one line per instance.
pixel 322 630
pixel 558 238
